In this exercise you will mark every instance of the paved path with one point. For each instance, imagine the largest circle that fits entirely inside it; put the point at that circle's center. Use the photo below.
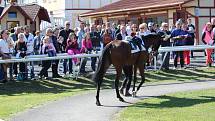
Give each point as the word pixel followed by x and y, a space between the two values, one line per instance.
pixel 83 108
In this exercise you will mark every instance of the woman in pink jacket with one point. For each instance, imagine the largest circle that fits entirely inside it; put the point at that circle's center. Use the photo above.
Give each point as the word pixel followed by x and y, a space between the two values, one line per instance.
pixel 208 39
pixel 72 47
pixel 86 47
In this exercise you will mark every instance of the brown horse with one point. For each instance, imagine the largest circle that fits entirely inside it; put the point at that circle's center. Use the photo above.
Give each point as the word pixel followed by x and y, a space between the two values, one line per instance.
pixel 119 54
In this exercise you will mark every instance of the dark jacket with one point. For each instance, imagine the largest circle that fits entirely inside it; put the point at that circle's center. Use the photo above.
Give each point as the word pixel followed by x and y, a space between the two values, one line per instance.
pixel 95 38
pixel 178 41
pixel 21 47
pixel 167 42
pixel 56 44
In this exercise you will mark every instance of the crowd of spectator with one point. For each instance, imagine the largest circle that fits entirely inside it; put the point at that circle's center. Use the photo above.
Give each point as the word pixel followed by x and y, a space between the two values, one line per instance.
pixel 89 39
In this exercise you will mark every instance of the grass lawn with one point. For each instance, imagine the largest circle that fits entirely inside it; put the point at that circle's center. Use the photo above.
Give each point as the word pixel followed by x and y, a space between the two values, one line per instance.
pixel 20 95
pixel 184 106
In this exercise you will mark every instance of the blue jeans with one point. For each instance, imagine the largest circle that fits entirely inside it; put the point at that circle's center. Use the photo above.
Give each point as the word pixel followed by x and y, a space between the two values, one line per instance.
pixel 65 66
pixel 93 63
pixel 31 67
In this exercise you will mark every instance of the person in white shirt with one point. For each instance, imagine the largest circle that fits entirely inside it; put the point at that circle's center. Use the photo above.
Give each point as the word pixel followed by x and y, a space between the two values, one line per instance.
pixel 29 39
pixel 4 51
pixel 143 30
pixel 123 32
pixel 128 28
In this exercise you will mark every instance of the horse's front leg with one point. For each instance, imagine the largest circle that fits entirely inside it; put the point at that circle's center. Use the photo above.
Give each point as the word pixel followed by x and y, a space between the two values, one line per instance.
pixel 118 75
pixel 135 78
pixel 134 81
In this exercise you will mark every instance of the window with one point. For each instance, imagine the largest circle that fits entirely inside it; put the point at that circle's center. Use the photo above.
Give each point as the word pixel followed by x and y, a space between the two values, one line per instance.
pixel 12 15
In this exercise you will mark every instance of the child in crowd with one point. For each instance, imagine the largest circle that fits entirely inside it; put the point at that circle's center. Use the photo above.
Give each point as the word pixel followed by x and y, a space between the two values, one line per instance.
pixel 86 44
pixel 72 47
pixel 48 48
pixel 86 48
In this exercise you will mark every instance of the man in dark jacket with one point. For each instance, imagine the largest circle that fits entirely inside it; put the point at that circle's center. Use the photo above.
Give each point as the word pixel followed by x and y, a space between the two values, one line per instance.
pixel 47 64
pixel 177 35
pixel 165 43
pixel 65 34
pixel 96 42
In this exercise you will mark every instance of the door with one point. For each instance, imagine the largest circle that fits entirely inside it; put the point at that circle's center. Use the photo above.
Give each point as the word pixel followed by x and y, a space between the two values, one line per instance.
pixel 12 24
pixel 180 14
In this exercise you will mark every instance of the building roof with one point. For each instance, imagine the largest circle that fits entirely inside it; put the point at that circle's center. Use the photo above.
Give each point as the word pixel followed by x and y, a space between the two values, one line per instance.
pixel 34 10
pixel 6 9
pixel 128 5
pixel 31 11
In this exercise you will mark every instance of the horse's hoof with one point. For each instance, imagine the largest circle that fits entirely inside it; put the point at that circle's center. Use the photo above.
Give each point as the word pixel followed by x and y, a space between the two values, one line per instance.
pixel 121 99
pixel 127 94
pixel 98 103
pixel 121 91
pixel 134 93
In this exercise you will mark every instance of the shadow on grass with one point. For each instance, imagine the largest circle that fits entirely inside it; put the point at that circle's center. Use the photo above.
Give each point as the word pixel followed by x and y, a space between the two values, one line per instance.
pixel 86 83
pixel 174 102
pixel 179 75
pixel 49 86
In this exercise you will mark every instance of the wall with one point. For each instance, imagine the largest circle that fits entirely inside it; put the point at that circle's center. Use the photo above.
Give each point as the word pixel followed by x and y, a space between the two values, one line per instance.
pixel 72 7
pixel 57 6
pixel 206 3
pixel 192 3
pixel 170 16
pixel 19 18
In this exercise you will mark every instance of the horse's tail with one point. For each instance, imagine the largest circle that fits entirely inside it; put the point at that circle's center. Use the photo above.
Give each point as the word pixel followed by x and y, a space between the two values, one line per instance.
pixel 104 63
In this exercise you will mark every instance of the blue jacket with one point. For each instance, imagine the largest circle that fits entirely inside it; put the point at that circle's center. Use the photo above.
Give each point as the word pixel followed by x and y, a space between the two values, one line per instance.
pixel 175 33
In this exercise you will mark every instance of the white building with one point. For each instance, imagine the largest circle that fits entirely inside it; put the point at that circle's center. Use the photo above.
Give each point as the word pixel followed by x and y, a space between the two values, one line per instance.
pixel 19 2
pixel 65 10
pixel 69 10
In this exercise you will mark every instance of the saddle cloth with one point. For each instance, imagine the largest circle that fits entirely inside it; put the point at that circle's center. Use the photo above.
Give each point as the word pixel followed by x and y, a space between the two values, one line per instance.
pixel 134 47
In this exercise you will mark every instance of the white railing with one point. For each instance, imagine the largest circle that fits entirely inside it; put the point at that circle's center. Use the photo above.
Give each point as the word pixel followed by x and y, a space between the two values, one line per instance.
pixel 66 56
pixel 45 57
pixel 58 21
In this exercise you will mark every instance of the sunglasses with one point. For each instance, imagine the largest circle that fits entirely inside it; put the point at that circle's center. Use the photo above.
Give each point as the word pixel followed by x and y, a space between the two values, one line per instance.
pixel 68 24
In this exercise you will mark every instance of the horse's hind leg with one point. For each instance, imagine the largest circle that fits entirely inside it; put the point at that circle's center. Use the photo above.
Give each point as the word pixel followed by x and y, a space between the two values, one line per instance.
pixel 129 73
pixel 97 94
pixel 118 75
pixel 121 90
pixel 141 69
pixel 124 83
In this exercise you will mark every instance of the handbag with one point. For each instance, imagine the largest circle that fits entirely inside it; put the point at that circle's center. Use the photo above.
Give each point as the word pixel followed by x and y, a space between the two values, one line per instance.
pixel 21 76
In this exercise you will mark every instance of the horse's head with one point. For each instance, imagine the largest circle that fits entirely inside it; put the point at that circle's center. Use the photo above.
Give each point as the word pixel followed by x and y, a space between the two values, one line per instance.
pixel 153 42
